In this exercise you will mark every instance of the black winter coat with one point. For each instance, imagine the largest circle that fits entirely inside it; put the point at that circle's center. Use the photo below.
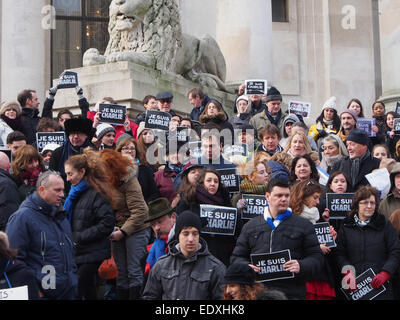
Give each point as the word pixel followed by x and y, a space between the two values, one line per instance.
pixel 146 180
pixel 366 167
pixel 374 246
pixel 296 234
pixel 30 119
pixel 9 198
pixel 92 223
pixel 18 275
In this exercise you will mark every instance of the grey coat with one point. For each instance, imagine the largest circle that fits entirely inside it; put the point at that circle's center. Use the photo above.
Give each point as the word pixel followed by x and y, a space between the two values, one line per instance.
pixel 174 277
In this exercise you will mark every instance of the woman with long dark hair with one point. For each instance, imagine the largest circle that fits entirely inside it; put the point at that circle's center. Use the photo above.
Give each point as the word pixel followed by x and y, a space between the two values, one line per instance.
pixel 91 216
pixel 303 168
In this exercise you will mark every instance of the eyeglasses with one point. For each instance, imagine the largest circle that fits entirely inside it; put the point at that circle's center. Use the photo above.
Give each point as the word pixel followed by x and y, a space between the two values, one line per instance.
pixel 366 203
pixel 128 149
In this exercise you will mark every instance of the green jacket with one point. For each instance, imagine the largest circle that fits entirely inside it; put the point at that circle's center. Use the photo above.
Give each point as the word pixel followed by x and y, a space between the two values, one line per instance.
pixel 260 120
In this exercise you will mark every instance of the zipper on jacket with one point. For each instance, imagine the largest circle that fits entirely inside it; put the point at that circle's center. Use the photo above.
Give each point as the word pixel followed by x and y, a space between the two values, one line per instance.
pixel 42 244
pixel 270 240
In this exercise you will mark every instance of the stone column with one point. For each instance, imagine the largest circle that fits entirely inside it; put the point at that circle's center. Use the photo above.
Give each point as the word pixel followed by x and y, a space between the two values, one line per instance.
pixel 244 34
pixel 390 47
pixel 25 50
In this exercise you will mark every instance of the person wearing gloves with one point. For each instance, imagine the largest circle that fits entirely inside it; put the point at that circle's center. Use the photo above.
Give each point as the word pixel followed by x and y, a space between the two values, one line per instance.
pixel 328 122
pixel 188 271
pixel 367 240
pixel 10 119
pixel 105 134
pixel 243 112
pixel 48 104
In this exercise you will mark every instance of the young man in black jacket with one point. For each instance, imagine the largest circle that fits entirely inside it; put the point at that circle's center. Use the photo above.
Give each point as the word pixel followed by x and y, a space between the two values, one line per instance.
pixel 276 230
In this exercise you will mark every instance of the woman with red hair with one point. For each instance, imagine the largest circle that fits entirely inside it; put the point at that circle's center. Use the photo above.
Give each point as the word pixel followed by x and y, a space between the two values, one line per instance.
pixel 131 235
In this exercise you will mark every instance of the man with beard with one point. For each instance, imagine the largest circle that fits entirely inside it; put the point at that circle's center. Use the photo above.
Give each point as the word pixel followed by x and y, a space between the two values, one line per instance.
pixel 348 122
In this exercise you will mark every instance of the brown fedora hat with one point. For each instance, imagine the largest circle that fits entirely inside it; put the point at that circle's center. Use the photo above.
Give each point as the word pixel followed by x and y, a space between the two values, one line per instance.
pixel 158 208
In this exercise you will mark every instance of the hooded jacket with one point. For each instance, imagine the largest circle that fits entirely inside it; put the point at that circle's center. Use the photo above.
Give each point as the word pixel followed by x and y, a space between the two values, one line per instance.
pixel 175 277
pixel 43 237
pixel 392 200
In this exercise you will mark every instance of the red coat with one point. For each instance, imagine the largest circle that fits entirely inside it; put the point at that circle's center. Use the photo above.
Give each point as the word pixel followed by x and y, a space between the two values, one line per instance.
pixel 119 128
pixel 165 182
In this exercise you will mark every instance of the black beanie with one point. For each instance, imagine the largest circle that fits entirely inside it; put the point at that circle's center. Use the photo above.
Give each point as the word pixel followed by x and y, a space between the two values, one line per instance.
pixel 358 136
pixel 273 94
pixel 240 273
pixel 187 219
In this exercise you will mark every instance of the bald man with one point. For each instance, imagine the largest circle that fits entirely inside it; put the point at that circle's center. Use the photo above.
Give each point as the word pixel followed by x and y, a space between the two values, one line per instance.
pixel 9 195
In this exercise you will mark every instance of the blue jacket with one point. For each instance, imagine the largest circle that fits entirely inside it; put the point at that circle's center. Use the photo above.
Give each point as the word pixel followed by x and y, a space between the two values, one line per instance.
pixel 43 237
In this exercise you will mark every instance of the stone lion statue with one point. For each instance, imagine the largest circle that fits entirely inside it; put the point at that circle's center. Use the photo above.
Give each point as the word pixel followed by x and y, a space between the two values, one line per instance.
pixel 148 32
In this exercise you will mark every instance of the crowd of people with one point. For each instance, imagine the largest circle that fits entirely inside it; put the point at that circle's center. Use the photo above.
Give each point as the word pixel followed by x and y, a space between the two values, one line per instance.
pixel 136 198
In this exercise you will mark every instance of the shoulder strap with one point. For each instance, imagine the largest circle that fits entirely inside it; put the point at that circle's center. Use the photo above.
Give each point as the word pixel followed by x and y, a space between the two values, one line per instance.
pixel 5 275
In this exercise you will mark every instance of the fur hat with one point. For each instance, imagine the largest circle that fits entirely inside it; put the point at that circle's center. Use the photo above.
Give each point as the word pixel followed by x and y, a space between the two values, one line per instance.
pixel 330 103
pixel 273 94
pixel 81 125
pixel 103 129
pixel 11 105
pixel 240 273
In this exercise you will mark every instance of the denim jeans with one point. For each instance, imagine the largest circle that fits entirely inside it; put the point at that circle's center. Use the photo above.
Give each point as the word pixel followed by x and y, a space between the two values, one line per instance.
pixel 129 254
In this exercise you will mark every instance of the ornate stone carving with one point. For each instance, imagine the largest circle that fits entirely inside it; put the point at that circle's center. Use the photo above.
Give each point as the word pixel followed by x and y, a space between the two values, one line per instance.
pixel 148 32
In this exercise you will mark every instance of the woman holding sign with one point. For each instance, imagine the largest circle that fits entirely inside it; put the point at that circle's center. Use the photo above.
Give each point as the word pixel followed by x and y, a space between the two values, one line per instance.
pixel 391 135
pixel 304 200
pixel 210 190
pixel 366 241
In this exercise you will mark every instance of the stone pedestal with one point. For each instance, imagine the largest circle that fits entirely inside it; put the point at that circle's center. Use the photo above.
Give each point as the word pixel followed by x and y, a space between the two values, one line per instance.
pixel 129 83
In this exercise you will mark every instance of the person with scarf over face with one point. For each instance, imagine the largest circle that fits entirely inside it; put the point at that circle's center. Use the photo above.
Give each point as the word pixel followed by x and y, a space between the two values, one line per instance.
pixel 210 190
pixel 10 114
pixel 91 216
pixel 26 168
pixel 359 162
pixel 79 134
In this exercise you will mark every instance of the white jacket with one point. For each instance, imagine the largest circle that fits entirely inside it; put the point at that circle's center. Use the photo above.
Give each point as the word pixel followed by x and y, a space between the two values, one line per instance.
pixel 5 130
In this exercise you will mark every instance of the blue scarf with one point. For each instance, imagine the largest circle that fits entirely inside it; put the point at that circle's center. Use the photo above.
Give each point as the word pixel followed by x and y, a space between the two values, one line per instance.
pixel 282 217
pixel 73 195
pixel 157 250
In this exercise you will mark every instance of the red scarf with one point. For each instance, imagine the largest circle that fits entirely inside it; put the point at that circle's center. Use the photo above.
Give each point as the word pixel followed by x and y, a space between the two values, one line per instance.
pixel 30 177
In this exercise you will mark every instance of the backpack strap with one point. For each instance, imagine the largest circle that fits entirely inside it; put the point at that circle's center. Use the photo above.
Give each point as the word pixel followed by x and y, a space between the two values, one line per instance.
pixel 5 275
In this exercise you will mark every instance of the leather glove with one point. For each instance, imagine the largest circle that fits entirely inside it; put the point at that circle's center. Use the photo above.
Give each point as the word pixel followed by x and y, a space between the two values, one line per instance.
pixel 79 92
pixel 380 279
pixel 52 92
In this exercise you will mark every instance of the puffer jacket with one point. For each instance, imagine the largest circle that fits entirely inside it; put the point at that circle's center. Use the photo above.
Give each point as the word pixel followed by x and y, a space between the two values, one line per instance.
pixel 92 223
pixel 375 246
pixel 296 234
pixel 392 200
pixel 43 237
pixel 174 277
pixel 130 208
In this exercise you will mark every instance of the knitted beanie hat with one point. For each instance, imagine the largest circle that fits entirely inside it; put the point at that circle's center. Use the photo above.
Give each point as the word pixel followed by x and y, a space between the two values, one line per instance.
pixel 358 136
pixel 103 129
pixel 187 219
pixel 351 112
pixel 330 103
pixel 273 94
pixel 240 273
